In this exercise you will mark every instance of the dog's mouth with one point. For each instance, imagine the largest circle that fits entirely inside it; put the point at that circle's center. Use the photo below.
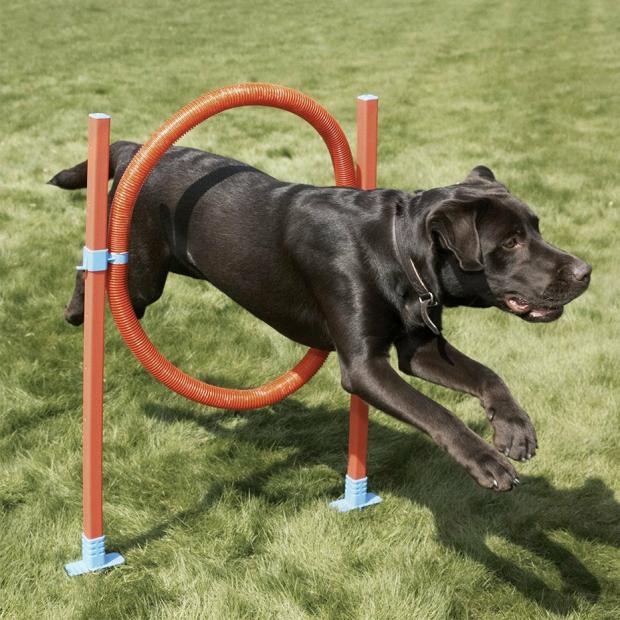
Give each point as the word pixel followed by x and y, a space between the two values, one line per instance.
pixel 529 312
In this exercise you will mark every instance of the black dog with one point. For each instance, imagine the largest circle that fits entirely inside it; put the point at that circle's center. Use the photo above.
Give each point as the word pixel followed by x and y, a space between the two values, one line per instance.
pixel 357 272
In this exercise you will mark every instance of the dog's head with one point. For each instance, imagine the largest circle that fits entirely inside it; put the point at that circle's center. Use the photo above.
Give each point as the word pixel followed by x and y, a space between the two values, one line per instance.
pixel 491 252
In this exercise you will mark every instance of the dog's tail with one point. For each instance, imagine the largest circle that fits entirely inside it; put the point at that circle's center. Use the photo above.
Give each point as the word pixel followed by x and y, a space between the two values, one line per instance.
pixel 75 178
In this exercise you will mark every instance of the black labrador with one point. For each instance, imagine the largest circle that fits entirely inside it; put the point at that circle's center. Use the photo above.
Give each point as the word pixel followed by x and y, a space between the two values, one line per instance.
pixel 356 272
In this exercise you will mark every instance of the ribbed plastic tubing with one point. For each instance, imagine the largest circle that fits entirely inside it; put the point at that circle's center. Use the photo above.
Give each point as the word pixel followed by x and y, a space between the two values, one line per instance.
pixel 195 112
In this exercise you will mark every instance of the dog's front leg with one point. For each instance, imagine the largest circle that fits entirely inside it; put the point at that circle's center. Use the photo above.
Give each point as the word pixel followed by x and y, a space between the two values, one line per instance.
pixel 433 358
pixel 372 378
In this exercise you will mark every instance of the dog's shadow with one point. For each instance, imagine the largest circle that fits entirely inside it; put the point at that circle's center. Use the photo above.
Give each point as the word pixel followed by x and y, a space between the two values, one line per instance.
pixel 465 515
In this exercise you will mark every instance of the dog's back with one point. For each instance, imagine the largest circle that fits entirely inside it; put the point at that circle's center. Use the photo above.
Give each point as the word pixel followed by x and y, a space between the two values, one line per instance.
pixel 214 218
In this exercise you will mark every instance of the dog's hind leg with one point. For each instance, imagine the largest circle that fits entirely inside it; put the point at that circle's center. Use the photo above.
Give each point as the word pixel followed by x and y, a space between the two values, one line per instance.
pixel 146 285
pixel 74 310
pixel 148 265
pixel 146 279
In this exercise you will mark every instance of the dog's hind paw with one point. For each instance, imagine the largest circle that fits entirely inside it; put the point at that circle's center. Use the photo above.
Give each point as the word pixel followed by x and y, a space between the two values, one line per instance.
pixel 73 317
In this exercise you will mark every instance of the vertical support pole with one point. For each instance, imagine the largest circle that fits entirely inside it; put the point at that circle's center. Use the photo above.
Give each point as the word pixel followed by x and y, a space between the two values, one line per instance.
pixel 94 319
pixel 356 480
pixel 367 140
pixel 95 262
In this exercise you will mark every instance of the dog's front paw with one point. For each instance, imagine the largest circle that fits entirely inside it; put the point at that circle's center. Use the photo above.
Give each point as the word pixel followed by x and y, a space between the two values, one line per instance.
pixel 513 433
pixel 491 470
pixel 483 462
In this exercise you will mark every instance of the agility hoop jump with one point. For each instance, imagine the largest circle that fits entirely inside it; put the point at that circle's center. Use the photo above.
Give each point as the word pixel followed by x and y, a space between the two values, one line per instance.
pixel 101 264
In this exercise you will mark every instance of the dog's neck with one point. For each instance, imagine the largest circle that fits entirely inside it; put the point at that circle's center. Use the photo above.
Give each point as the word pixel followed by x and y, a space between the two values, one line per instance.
pixel 426 298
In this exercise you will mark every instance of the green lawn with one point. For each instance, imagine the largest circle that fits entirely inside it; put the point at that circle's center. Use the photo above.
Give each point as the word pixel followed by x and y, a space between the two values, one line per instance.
pixel 224 515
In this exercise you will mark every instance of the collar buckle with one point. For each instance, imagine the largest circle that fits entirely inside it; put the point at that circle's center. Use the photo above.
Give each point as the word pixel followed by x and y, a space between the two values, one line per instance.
pixel 427 300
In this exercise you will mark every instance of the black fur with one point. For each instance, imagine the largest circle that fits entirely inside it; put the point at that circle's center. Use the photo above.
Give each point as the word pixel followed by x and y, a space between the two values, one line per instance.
pixel 318 264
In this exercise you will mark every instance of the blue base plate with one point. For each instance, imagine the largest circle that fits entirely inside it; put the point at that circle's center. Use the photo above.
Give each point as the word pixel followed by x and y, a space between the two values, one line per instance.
pixel 80 567
pixel 355 495
pixel 344 505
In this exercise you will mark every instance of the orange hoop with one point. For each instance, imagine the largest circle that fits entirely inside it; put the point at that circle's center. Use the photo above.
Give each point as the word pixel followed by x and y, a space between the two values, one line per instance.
pixel 127 192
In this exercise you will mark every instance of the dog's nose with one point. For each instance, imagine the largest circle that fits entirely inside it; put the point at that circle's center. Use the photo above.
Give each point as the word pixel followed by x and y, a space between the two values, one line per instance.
pixel 581 271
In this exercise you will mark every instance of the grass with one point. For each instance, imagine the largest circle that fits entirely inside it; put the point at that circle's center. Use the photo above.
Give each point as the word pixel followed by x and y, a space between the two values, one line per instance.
pixel 224 515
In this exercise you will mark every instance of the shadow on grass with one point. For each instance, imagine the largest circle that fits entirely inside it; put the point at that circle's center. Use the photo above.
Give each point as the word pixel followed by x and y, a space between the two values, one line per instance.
pixel 465 515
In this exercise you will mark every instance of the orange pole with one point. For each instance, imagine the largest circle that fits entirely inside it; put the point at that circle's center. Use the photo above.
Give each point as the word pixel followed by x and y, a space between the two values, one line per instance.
pixel 94 323
pixel 358 438
pixel 95 264
pixel 366 146
pixel 367 138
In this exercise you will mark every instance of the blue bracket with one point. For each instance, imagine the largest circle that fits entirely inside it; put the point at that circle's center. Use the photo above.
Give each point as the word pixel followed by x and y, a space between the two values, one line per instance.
pixel 97 260
pixel 94 558
pixel 356 496
pixel 118 258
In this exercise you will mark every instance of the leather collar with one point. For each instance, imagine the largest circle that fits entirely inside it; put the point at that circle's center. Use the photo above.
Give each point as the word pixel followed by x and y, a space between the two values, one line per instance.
pixel 425 297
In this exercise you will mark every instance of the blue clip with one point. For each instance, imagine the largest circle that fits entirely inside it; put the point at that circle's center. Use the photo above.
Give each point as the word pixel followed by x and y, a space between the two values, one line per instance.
pixel 118 258
pixel 94 260
pixel 97 260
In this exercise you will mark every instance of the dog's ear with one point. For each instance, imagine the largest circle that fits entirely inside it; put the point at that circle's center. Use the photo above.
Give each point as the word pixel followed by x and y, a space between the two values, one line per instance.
pixel 480 173
pixel 454 222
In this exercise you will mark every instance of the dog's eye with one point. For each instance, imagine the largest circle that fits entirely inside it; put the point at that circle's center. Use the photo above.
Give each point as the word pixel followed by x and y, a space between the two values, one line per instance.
pixel 513 242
